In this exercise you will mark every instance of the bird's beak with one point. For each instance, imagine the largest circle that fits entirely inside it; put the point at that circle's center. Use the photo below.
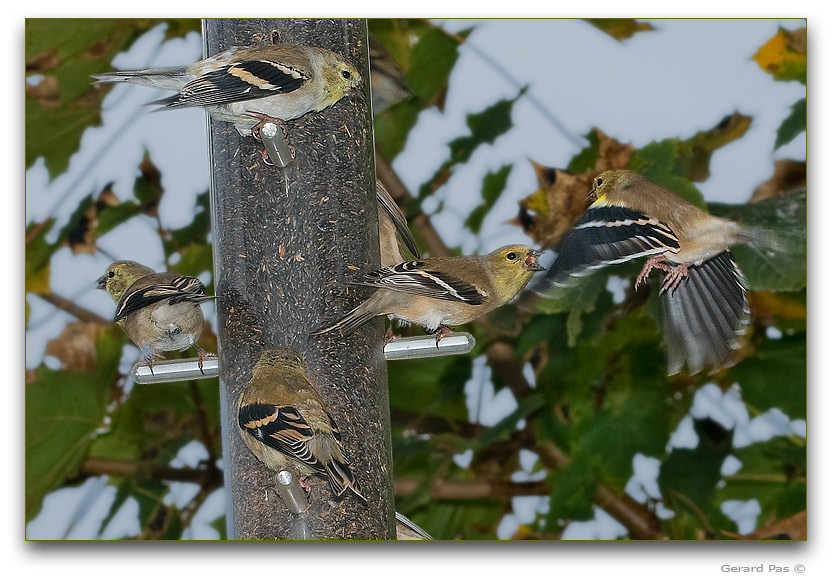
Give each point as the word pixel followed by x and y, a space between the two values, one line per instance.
pixel 102 283
pixel 591 196
pixel 531 262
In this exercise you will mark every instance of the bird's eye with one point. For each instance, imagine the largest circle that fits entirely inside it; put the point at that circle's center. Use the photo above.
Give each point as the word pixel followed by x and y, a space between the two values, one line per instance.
pixel 111 273
pixel 598 182
pixel 346 74
pixel 511 256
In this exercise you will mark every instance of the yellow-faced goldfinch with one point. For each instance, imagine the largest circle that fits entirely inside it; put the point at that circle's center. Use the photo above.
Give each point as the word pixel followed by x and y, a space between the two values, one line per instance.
pixel 159 312
pixel 703 293
pixel 284 422
pixel 248 85
pixel 438 293
pixel 392 230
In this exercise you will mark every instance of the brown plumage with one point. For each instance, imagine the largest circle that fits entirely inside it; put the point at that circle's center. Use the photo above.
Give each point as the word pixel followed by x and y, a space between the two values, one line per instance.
pixel 440 292
pixel 284 421
pixel 159 312
pixel 703 293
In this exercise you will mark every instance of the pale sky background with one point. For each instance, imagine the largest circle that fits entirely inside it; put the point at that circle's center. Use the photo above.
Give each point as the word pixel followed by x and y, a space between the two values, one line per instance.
pixel 584 78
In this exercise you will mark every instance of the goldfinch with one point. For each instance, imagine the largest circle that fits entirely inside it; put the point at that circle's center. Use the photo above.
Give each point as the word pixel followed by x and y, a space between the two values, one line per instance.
pixel 159 312
pixel 443 291
pixel 249 85
pixel 284 422
pixel 703 292
pixel 392 230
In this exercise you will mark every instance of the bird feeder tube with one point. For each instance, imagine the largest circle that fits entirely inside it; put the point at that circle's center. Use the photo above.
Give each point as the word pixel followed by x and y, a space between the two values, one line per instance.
pixel 286 242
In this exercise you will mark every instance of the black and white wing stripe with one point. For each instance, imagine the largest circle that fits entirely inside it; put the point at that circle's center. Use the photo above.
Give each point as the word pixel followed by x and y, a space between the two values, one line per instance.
pixel 182 288
pixel 284 429
pixel 705 316
pixel 609 235
pixel 239 81
pixel 412 278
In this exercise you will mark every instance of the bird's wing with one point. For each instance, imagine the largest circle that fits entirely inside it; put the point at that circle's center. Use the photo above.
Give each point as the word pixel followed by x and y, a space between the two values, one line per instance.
pixel 705 316
pixel 238 81
pixel 609 235
pixel 179 289
pixel 413 278
pixel 283 428
pixel 397 217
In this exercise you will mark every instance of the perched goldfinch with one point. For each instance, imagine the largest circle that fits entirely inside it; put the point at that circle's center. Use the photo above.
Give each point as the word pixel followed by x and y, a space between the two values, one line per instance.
pixel 249 85
pixel 392 230
pixel 284 422
pixel 703 293
pixel 444 291
pixel 160 312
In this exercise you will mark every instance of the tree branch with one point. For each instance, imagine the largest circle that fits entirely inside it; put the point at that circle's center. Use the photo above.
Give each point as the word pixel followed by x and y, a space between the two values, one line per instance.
pixel 208 476
pixel 445 489
pixel 77 311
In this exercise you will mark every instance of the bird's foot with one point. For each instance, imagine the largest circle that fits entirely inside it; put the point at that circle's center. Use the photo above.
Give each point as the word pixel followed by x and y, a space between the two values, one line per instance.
pixel 255 132
pixel 149 360
pixel 677 273
pixel 201 356
pixel 389 335
pixel 442 331
pixel 652 262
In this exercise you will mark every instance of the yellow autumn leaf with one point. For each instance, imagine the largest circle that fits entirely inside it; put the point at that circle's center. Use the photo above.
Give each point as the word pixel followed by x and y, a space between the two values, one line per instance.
pixel 784 55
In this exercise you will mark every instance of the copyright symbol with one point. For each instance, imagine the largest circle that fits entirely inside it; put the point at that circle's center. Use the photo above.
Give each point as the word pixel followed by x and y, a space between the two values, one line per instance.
pixel 800 568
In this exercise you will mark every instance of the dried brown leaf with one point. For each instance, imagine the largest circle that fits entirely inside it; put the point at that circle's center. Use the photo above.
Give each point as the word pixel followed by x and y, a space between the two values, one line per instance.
pixel 75 347
pixel 788 175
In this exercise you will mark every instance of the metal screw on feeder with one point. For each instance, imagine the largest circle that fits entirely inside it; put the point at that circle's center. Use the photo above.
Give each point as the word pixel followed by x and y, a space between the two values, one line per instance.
pixel 410 347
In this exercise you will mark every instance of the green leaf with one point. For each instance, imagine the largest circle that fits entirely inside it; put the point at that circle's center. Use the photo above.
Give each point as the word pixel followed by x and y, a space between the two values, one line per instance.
pixel 392 127
pixel 774 473
pixel 775 376
pixel 694 473
pixel 484 127
pixel 430 389
pixel 695 153
pixel 503 430
pixel 620 28
pixel 658 161
pixel 220 525
pixel 61 102
pixel 431 62
pixel 150 419
pixel 576 300
pixel 64 410
pixel 36 262
pixel 493 185
pixel 793 125
pixel 588 156
pixel 778 261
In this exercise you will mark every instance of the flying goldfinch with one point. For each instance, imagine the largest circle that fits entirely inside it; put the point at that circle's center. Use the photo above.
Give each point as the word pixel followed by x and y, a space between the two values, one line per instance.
pixel 159 312
pixel 703 291
pixel 440 292
pixel 284 422
pixel 249 85
pixel 392 230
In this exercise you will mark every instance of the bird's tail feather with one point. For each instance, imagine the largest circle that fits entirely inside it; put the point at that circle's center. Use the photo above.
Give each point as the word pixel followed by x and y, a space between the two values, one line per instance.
pixel 341 478
pixel 350 322
pixel 173 78
pixel 768 238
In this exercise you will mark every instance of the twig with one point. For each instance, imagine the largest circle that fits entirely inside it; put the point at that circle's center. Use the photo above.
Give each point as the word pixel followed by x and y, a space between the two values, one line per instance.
pixel 70 307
